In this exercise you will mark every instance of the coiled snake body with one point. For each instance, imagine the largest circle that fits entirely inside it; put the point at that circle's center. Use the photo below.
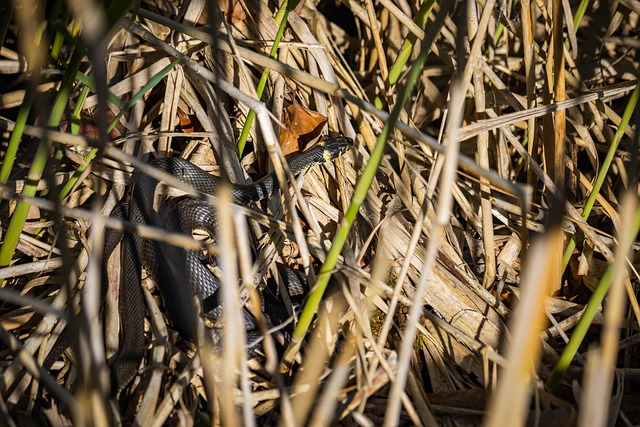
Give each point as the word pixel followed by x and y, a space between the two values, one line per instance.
pixel 180 273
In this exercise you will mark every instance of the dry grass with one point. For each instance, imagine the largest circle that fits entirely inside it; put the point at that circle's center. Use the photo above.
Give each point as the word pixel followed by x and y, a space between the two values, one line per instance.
pixel 451 302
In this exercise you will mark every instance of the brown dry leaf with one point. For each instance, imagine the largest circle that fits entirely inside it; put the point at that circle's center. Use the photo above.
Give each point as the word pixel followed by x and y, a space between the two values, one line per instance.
pixel 237 11
pixel 88 124
pixel 300 124
pixel 186 122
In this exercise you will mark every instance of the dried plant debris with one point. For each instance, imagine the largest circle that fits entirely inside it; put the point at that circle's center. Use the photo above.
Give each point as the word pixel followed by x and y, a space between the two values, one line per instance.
pixel 468 256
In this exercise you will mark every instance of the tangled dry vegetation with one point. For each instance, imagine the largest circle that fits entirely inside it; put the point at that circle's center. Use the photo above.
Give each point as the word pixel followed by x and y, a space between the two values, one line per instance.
pixel 481 236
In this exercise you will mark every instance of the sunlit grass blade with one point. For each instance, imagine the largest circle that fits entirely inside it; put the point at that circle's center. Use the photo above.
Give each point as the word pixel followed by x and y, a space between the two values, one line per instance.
pixel 16 135
pixel 281 20
pixel 604 169
pixel 409 42
pixel 590 311
pixel 360 192
pixel 153 81
pixel 40 159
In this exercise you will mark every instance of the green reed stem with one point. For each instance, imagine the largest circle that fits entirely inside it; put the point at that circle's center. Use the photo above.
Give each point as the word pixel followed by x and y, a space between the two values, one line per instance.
pixel 153 82
pixel 361 190
pixel 16 135
pixel 590 311
pixel 580 11
pixel 409 42
pixel 19 217
pixel 88 81
pixel 281 19
pixel 602 174
pixel 600 292
pixel 74 123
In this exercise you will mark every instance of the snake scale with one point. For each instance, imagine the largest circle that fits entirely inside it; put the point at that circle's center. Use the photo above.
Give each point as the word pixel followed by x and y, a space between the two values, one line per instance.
pixel 180 274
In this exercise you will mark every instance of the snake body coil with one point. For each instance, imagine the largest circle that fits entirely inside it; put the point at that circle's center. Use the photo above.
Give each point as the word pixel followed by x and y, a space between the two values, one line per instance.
pixel 180 273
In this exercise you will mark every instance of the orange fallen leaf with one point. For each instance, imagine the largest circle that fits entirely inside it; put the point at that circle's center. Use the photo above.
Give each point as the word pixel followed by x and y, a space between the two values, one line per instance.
pixel 186 123
pixel 300 125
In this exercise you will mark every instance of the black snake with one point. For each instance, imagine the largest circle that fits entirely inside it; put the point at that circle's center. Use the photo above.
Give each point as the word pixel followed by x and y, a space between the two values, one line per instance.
pixel 181 273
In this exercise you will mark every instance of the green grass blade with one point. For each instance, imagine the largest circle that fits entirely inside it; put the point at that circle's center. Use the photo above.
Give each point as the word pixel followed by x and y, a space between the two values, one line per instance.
pixel 153 81
pixel 59 36
pixel 281 20
pixel 74 123
pixel 88 81
pixel 606 164
pixel 361 190
pixel 409 42
pixel 577 17
pixel 581 329
pixel 19 217
pixel 603 286
pixel 16 135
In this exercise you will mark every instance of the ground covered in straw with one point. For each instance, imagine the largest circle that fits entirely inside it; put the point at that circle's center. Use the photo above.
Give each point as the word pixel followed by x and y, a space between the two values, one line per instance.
pixel 472 259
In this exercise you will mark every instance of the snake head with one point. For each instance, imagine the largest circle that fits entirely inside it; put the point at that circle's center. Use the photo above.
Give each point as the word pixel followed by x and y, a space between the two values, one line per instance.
pixel 328 149
pixel 335 146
